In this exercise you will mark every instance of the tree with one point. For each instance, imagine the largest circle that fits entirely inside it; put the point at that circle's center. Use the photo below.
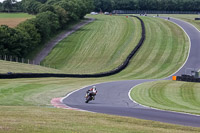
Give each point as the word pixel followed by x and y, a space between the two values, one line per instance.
pixel 8 4
pixel 104 5
pixel 34 36
pixel 12 41
pixel 42 1
pixel 1 7
pixel 62 15
pixel 45 7
pixel 31 6
pixel 46 23
pixel 71 7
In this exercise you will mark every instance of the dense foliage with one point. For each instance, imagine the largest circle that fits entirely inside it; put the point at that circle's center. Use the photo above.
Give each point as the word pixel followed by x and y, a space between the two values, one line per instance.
pixel 159 5
pixel 51 16
pixel 10 6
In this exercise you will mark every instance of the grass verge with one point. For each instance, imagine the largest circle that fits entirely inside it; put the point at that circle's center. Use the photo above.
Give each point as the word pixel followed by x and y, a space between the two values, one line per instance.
pixel 48 120
pixel 169 95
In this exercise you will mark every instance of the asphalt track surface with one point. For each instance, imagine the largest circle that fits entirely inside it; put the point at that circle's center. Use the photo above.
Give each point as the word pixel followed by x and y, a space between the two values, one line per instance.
pixel 113 97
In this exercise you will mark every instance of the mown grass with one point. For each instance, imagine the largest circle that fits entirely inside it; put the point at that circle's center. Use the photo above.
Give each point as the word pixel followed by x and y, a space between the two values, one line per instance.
pixel 98 47
pixel 169 95
pixel 164 51
pixel 96 50
pixel 38 92
pixel 14 67
pixel 15 15
pixel 48 120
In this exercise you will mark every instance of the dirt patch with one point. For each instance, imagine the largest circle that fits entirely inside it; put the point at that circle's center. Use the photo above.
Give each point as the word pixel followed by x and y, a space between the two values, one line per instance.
pixel 11 22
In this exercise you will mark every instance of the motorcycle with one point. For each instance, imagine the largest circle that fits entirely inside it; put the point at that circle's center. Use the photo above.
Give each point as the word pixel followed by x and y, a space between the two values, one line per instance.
pixel 88 97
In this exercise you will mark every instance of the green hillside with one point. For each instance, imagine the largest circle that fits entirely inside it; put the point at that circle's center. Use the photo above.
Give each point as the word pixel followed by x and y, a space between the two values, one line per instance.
pixel 164 51
pixel 98 47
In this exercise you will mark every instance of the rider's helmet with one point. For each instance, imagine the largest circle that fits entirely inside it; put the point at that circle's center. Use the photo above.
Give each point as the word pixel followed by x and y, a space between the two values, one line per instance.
pixel 94 88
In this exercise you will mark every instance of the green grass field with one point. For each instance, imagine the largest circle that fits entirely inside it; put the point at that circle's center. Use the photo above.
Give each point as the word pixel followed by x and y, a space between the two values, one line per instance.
pixel 169 95
pixel 25 103
pixel 47 120
pixel 15 15
pixel 25 108
pixel 7 66
pixel 98 47
pixel 163 52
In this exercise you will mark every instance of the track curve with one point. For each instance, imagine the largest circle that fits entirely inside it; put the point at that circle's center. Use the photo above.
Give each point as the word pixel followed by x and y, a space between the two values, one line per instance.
pixel 113 96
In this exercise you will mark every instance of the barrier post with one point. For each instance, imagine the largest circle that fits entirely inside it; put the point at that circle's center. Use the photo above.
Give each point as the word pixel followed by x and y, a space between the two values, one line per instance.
pixel 174 78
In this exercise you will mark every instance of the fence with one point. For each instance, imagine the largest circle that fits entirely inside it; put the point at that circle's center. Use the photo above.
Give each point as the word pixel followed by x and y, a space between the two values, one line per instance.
pixel 153 12
pixel 23 60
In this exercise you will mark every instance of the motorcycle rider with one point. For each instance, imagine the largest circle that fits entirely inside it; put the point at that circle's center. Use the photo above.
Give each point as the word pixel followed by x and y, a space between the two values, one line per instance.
pixel 92 92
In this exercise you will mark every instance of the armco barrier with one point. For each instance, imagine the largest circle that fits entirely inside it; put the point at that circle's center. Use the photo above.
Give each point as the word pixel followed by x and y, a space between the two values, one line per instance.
pixel 109 73
pixel 187 78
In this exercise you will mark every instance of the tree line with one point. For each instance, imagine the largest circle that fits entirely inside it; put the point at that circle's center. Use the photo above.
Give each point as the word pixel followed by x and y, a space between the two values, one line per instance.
pixel 51 16
pixel 10 6
pixel 157 5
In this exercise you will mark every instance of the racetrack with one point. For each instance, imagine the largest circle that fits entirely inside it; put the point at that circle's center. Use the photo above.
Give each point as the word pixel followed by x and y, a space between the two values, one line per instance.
pixel 113 97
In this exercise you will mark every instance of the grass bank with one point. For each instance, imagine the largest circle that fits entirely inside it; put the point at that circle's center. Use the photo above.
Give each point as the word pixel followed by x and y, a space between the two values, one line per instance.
pixel 21 119
pixel 97 47
pixel 164 51
pixel 14 67
pixel 169 95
